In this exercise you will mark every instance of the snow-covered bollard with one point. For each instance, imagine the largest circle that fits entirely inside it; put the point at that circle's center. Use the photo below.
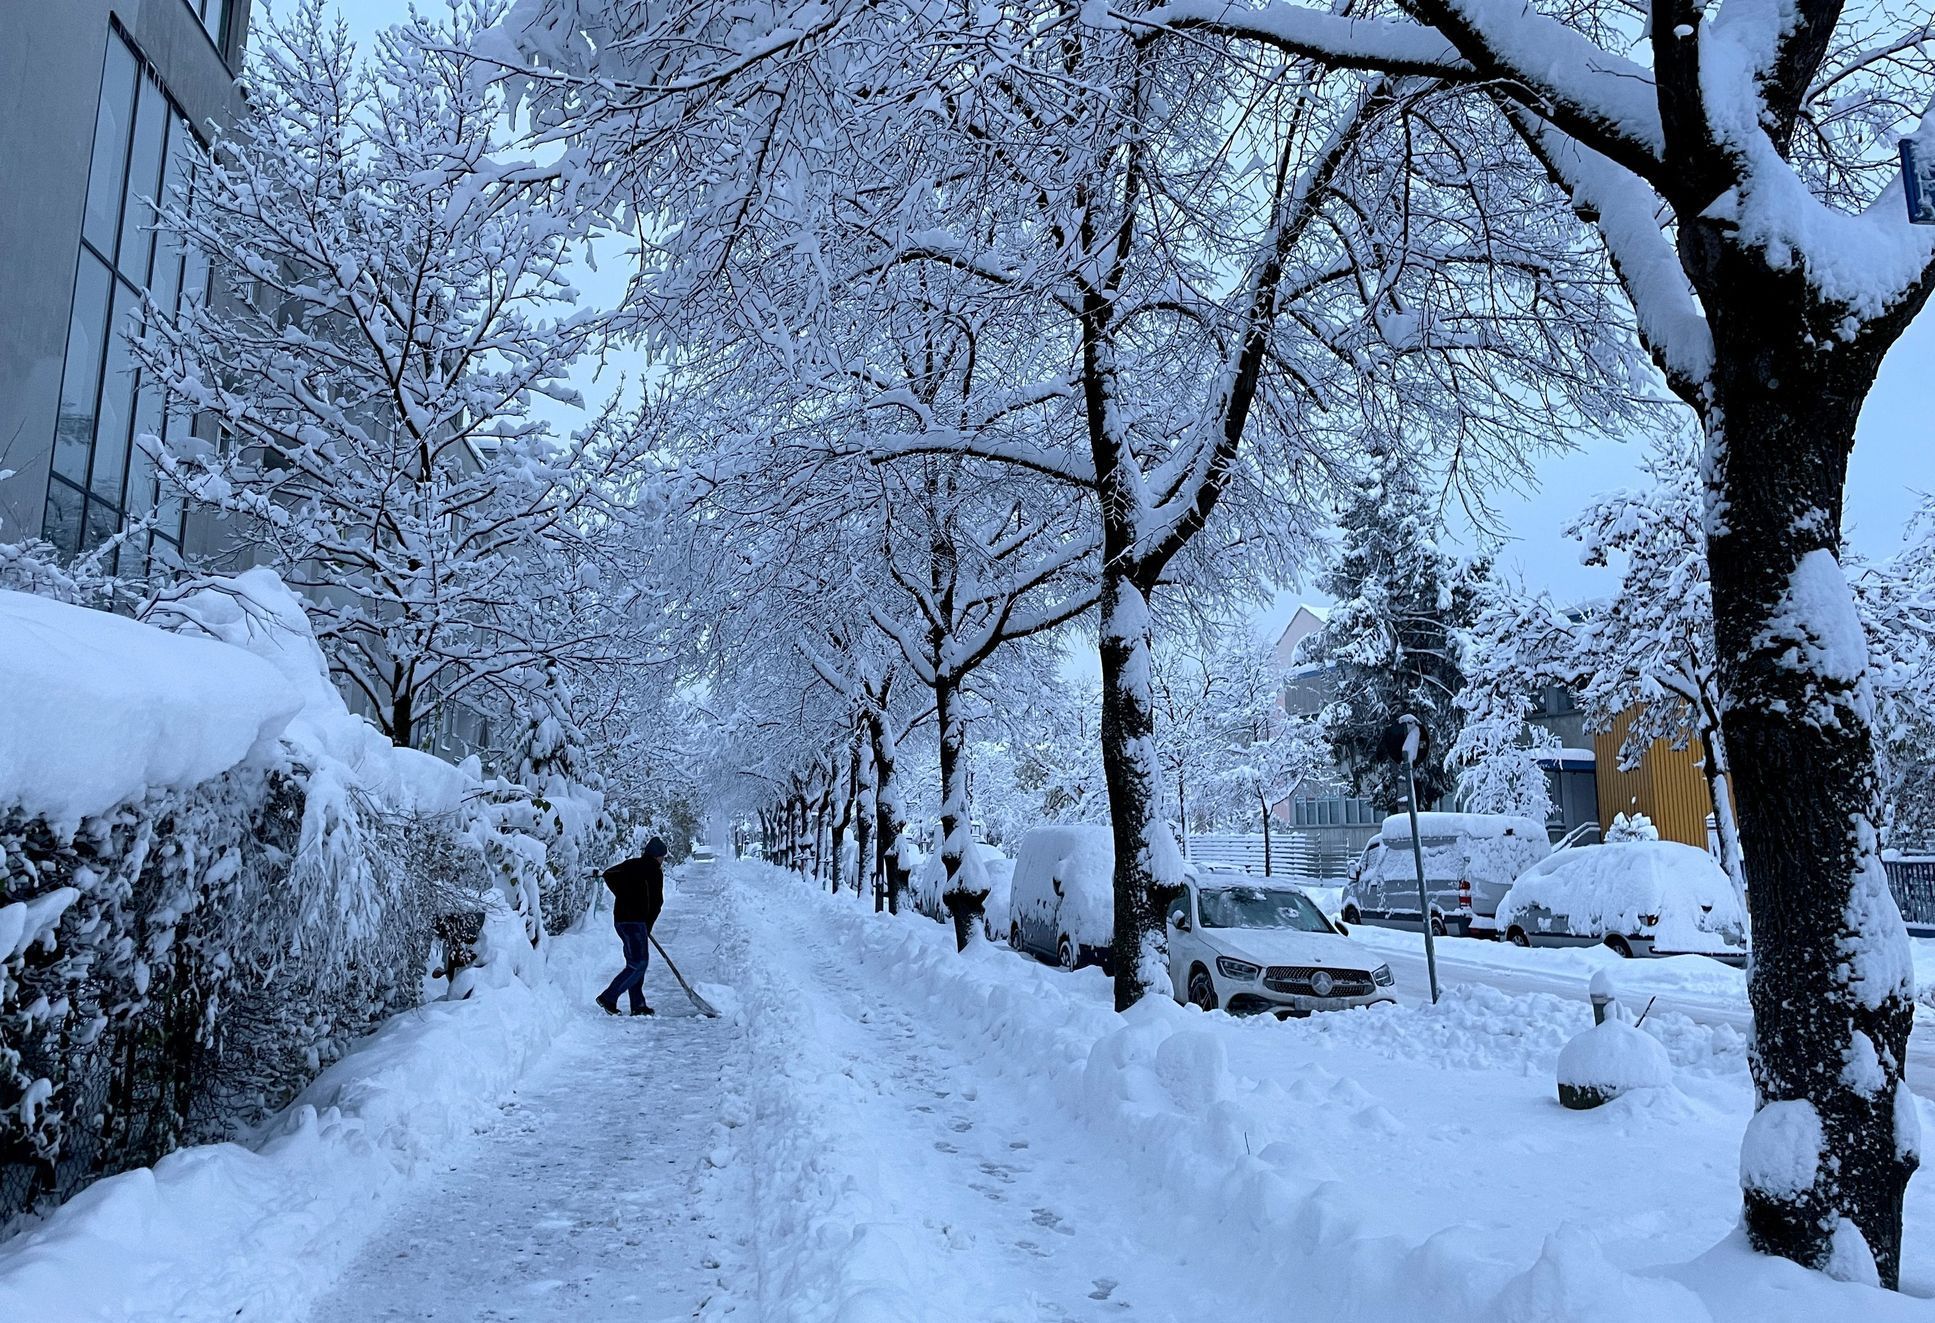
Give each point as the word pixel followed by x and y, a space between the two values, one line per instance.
pixel 1610 1058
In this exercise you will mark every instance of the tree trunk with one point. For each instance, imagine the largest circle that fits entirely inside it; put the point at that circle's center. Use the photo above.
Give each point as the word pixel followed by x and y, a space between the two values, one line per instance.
pixel 1713 755
pixel 403 727
pixel 1148 870
pixel 1182 813
pixel 863 811
pixel 1264 802
pixel 1831 981
pixel 889 816
pixel 959 896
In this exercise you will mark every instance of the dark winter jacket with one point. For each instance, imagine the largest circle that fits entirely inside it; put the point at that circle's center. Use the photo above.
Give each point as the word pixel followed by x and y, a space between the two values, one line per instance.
pixel 638 890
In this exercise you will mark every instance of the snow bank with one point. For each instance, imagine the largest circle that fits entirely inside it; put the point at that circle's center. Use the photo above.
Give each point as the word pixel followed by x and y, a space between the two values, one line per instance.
pixel 227 1230
pixel 826 1244
pixel 258 614
pixel 1675 893
pixel 118 707
pixel 1277 1152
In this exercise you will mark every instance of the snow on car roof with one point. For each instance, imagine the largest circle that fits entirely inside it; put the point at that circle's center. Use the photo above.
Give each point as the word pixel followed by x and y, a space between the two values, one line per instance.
pixel 1398 825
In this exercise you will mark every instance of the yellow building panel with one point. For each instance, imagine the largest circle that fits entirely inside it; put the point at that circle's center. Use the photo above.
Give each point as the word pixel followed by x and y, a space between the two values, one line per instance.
pixel 1668 785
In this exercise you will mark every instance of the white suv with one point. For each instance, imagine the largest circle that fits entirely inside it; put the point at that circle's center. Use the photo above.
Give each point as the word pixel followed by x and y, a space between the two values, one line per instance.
pixel 1248 945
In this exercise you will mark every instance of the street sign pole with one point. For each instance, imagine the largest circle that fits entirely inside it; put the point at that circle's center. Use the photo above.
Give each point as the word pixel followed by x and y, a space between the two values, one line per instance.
pixel 1413 740
pixel 1918 181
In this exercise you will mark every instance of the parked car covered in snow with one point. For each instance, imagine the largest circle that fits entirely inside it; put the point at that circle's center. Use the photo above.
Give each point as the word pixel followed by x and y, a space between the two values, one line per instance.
pixel 924 889
pixel 1062 900
pixel 1470 862
pixel 1249 946
pixel 1637 897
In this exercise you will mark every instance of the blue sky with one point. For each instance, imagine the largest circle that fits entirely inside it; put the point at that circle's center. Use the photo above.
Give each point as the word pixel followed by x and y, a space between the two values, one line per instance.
pixel 1892 464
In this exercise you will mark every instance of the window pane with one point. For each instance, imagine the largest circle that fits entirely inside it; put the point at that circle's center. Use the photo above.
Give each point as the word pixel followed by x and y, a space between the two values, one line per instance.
pixel 103 522
pixel 63 523
pixel 165 280
pixel 148 421
pixel 117 398
pixel 86 327
pixel 111 124
pixel 144 181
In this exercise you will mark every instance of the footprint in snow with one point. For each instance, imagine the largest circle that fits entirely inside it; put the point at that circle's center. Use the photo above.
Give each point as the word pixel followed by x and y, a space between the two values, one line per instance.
pixel 961 1127
pixel 945 1147
pixel 1104 1288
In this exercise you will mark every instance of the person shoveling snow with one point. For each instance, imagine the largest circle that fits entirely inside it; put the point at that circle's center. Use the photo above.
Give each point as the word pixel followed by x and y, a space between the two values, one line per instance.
pixel 638 894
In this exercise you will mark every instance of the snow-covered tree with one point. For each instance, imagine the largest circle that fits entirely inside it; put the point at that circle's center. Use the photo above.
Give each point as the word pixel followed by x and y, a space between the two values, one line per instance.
pixel 1263 753
pixel 1517 645
pixel 1393 641
pixel 1738 164
pixel 401 314
pixel 1896 599
pixel 1648 648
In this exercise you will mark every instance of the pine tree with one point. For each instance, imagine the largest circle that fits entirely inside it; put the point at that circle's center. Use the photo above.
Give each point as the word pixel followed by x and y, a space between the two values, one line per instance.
pixel 1392 640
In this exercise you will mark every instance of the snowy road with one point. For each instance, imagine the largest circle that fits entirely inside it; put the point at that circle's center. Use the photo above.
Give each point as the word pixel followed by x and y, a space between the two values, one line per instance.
pixel 1717 998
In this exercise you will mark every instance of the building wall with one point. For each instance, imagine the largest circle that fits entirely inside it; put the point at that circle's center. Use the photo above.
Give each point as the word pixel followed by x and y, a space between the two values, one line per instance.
pixel 52 54
pixel 1668 786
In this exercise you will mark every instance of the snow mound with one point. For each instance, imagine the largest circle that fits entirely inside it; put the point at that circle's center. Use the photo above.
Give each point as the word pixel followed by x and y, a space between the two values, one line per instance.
pixel 1614 1058
pixel 258 614
pixel 119 707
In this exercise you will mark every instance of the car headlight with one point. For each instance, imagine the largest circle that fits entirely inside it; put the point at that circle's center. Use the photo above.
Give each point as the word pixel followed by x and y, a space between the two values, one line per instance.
pixel 1382 976
pixel 1240 970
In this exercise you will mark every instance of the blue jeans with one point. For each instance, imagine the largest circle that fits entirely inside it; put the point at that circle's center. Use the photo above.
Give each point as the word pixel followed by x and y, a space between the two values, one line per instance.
pixel 638 954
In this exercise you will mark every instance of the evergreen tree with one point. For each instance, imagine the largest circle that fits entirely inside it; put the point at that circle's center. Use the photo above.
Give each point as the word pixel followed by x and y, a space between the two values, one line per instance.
pixel 1392 640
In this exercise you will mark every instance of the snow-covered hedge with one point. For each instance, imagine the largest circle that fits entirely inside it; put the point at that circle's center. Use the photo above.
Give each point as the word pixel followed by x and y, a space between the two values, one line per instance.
pixel 214 878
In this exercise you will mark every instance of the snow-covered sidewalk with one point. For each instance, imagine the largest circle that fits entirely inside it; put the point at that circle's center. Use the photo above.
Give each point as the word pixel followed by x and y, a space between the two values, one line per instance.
pixel 585 1201
pixel 880 1130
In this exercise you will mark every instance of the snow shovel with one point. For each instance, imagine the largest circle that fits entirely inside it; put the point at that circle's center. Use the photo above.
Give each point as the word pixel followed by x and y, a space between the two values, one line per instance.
pixel 703 1006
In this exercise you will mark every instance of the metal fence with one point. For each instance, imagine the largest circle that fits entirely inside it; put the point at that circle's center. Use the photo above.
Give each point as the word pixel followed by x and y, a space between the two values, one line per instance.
pixel 1305 853
pixel 1912 879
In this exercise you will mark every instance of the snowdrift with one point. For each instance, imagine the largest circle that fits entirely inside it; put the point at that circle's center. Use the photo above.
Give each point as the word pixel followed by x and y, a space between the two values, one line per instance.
pixel 1398 1163
pixel 101 709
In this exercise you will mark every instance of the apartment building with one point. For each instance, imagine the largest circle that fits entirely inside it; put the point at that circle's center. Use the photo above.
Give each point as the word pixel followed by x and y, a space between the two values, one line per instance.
pixel 100 101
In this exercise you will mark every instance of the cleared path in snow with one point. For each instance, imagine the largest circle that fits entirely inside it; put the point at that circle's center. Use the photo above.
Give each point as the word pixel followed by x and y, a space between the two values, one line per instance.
pixel 583 1202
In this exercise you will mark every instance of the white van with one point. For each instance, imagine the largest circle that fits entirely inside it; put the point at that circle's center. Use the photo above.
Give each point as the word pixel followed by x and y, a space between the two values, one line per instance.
pixel 1470 862
pixel 1061 902
pixel 924 887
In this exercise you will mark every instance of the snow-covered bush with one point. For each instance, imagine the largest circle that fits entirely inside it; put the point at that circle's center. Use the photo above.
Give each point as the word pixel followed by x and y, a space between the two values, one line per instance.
pixel 213 878
pixel 1628 827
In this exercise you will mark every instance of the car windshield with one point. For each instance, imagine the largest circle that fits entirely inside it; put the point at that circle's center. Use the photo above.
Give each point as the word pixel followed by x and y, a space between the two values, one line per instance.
pixel 1259 907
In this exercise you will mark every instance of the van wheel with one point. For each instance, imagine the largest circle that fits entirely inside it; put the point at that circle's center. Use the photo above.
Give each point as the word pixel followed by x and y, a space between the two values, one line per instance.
pixel 1065 953
pixel 1014 936
pixel 1437 926
pixel 1202 989
pixel 1351 916
pixel 1517 937
pixel 1619 946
